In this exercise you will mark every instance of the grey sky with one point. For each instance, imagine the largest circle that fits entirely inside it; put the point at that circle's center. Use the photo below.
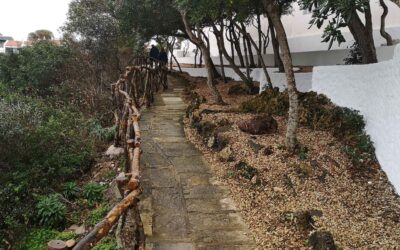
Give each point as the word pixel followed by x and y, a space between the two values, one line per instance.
pixel 19 17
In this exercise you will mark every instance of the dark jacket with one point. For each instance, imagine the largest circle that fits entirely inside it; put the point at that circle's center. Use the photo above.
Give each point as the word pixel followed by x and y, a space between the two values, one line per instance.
pixel 154 53
pixel 163 57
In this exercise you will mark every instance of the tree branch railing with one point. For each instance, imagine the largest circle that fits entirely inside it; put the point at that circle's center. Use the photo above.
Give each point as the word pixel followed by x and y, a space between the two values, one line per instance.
pixel 134 90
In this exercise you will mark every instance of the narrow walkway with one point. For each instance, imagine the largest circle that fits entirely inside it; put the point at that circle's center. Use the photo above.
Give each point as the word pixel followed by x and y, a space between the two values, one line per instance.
pixel 183 207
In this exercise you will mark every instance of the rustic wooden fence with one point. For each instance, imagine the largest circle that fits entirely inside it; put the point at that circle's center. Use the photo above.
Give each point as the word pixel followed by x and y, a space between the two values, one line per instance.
pixel 135 89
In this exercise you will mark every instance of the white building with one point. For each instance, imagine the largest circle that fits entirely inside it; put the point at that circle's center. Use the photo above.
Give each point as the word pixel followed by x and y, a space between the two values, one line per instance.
pixel 3 40
pixel 305 42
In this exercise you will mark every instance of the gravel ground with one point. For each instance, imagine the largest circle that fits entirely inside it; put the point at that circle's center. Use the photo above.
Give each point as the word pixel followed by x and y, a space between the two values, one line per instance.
pixel 361 211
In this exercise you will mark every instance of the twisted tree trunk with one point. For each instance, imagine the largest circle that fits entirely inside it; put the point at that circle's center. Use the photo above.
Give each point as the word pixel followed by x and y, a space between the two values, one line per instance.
pixel 397 2
pixel 363 34
pixel 207 58
pixel 384 34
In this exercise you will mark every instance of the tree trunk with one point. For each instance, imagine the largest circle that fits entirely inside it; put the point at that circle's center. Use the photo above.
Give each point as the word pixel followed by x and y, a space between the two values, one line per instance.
pixel 397 2
pixel 220 41
pixel 249 48
pixel 197 40
pixel 259 29
pixel 258 49
pixel 275 46
pixel 236 43
pixel 221 58
pixel 291 133
pixel 384 34
pixel 210 61
pixel 364 36
pixel 246 59
pixel 195 57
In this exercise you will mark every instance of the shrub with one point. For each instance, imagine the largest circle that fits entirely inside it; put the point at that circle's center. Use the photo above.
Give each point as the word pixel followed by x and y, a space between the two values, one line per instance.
pixel 36 239
pixel 355 55
pixel 36 68
pixel 93 192
pixel 98 132
pixel 51 211
pixel 270 101
pixel 97 215
pixel 317 112
pixel 106 244
pixel 70 190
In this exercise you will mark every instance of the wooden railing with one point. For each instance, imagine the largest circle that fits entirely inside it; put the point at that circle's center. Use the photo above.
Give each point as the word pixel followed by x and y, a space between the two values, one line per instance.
pixel 134 90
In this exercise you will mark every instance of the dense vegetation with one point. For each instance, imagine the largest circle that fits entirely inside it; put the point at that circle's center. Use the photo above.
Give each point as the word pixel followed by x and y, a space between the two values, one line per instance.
pixel 48 133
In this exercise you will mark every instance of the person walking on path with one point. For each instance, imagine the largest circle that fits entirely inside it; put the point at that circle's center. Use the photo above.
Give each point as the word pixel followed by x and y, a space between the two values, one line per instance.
pixel 163 57
pixel 154 54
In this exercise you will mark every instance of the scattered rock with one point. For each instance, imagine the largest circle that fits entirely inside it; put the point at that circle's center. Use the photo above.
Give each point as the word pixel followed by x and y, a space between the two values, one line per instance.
pixel 304 170
pixel 212 140
pixel 278 190
pixel 226 155
pixel 268 151
pixel 224 122
pixel 78 230
pixel 245 170
pixel 70 243
pixel 255 146
pixel 259 125
pixel 255 180
pixel 322 241
pixel 205 129
pixel 114 152
pixel 237 89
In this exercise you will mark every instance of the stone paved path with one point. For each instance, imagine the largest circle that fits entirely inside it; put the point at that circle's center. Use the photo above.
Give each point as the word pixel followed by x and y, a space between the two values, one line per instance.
pixel 183 207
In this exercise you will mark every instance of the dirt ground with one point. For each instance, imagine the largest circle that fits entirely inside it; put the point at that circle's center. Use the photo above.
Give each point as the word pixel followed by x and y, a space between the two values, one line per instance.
pixel 292 196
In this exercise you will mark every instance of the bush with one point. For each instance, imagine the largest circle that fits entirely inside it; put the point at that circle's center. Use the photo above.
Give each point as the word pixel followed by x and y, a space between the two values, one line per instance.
pixel 40 147
pixel 106 244
pixel 36 68
pixel 70 190
pixel 98 132
pixel 93 192
pixel 36 239
pixel 51 211
pixel 97 215
pixel 317 112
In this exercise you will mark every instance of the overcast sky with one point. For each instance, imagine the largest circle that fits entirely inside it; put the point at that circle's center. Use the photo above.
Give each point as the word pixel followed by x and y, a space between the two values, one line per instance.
pixel 19 17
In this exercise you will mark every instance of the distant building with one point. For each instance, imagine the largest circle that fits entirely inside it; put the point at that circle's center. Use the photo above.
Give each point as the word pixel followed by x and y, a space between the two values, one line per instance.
pixel 13 47
pixel 3 40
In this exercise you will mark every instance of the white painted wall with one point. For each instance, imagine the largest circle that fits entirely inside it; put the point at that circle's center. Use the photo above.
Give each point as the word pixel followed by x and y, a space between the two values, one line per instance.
pixel 304 39
pixel 374 90
pixel 303 80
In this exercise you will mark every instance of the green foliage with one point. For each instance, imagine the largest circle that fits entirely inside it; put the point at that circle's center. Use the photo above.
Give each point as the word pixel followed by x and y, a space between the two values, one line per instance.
pixel 93 192
pixel 36 68
pixel 36 239
pixel 318 113
pixel 51 211
pixel 67 235
pixel 97 215
pixel 337 13
pixel 303 152
pixel 70 190
pixel 100 133
pixel 106 244
pixel 270 101
pixel 355 55
pixel 245 170
pixel 40 147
